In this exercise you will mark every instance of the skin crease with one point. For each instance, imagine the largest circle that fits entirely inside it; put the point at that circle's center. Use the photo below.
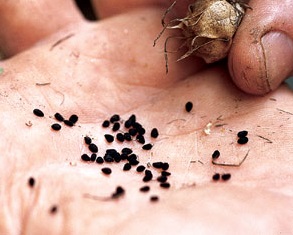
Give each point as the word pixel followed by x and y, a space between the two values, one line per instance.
pixel 106 68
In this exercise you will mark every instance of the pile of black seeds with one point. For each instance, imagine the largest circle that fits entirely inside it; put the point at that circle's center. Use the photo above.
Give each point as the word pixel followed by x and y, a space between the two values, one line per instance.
pixel 125 132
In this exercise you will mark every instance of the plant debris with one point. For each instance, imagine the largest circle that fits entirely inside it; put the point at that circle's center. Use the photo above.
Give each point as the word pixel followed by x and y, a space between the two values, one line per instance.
pixel 207 29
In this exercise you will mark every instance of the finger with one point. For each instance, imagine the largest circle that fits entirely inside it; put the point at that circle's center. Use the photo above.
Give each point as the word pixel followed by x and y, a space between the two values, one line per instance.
pixel 262 54
pixel 23 24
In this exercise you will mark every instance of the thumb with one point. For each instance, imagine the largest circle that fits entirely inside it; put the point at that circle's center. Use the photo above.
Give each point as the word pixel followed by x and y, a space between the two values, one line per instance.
pixel 262 54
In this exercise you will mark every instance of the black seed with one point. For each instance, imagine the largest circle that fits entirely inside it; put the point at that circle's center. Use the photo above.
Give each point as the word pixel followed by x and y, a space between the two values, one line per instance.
pixel 115 118
pixel 241 134
pixel 85 157
pixel 120 137
pixel 93 157
pixel 93 148
pixel 100 160
pixel 106 170
pixel 188 106
pixel 162 179
pixel 116 126
pixel 87 140
pixel 119 192
pixel 132 132
pixel 140 168
pixel 148 176
pixel 137 125
pixel 216 176
pixel 158 165
pixel 108 158
pixel 68 123
pixel 38 112
pixel 106 123
pixel 140 139
pixel 154 198
pixel 165 185
pixel 141 131
pixel 109 138
pixel 154 133
pixel 126 167
pixel 59 117
pixel 226 176
pixel 132 157
pixel 111 152
pixel 147 146
pixel 31 182
pixel 73 118
pixel 117 157
pixel 216 154
pixel 133 162
pixel 242 140
pixel 165 173
pixel 53 209
pixel 123 156
pixel 127 136
pixel 129 122
pixel 126 151
pixel 56 127
pixel 144 189
pixel 165 166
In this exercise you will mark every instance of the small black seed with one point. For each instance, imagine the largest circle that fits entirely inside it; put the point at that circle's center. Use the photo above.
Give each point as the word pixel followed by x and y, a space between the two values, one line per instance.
pixel 109 138
pixel 242 140
pixel 133 162
pixel 38 112
pixel 147 146
pixel 119 192
pixel 53 209
pixel 93 157
pixel 93 148
pixel 106 170
pixel 68 123
pixel 158 165
pixel 216 176
pixel 162 179
pixel 120 137
pixel 127 136
pixel 56 127
pixel 100 160
pixel 106 123
pixel 59 117
pixel 165 173
pixel 31 182
pixel 141 131
pixel 115 118
pixel 148 172
pixel 140 168
pixel 85 157
pixel 241 134
pixel 165 185
pixel 126 167
pixel 123 156
pixel 117 157
pixel 148 176
pixel 108 158
pixel 116 126
pixel 73 118
pixel 216 154
pixel 126 151
pixel 132 132
pixel 137 125
pixel 129 122
pixel 165 166
pixel 87 140
pixel 188 106
pixel 140 139
pixel 145 189
pixel 132 157
pixel 226 176
pixel 154 198
pixel 111 152
pixel 154 133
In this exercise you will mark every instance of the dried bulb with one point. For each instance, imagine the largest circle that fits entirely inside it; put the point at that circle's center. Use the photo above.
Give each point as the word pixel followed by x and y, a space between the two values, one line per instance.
pixel 207 29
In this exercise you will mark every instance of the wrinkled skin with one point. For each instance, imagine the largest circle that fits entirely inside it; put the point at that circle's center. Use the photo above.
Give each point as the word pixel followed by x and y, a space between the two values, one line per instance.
pixel 110 67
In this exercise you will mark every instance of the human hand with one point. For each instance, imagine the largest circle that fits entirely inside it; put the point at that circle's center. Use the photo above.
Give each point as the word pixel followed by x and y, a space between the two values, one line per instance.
pixel 108 67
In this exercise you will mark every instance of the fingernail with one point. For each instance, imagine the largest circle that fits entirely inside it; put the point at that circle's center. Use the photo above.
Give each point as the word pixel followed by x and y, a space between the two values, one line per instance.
pixel 278 58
